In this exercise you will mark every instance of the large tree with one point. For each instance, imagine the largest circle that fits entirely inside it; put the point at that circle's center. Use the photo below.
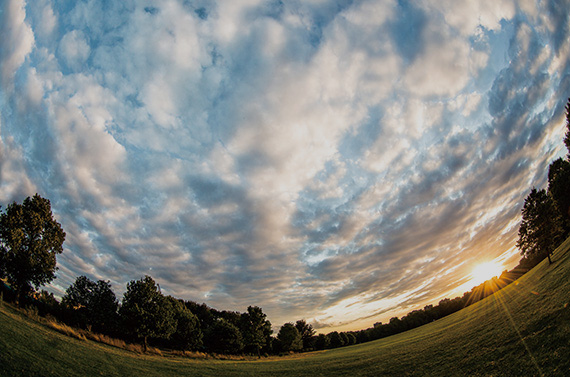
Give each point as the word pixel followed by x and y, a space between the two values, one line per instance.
pixel 30 239
pixel 145 312
pixel 187 335
pixel 540 231
pixel 255 328
pixel 559 189
pixel 223 337
pixel 289 338
pixel 335 339
pixel 307 333
pixel 92 303
pixel 322 342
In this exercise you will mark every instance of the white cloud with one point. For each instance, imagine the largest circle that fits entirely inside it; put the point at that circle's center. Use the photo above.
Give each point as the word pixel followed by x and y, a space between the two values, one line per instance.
pixel 17 39
pixel 443 68
pixel 34 87
pixel 467 16
pixel 74 49
pixel 14 183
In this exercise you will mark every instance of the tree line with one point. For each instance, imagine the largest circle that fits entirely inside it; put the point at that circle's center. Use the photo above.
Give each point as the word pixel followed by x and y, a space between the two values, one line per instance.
pixel 546 212
pixel 30 239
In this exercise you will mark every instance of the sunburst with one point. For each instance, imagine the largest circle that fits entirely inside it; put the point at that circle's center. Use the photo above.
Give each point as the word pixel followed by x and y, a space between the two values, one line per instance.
pixel 485 271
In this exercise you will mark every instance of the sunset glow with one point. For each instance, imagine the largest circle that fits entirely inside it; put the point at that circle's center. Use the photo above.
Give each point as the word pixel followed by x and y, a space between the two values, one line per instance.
pixel 485 271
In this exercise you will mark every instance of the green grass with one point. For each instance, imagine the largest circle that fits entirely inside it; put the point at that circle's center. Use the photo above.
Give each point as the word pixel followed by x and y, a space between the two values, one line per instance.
pixel 523 330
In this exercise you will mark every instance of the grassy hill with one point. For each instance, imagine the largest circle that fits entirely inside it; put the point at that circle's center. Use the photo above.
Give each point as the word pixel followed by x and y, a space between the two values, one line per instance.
pixel 523 329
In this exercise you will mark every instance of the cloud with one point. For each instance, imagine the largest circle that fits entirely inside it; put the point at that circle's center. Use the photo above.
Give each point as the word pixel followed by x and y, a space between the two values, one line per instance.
pixel 17 42
pixel 338 161
pixel 74 50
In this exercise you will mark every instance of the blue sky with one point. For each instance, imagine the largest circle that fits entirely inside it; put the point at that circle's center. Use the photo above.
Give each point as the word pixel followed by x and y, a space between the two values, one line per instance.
pixel 337 161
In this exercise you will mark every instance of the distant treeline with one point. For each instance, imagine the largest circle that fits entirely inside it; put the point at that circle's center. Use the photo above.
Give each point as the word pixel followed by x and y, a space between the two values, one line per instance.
pixel 146 315
pixel 30 238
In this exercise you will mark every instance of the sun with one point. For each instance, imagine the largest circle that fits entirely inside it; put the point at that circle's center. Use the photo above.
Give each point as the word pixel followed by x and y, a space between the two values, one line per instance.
pixel 485 271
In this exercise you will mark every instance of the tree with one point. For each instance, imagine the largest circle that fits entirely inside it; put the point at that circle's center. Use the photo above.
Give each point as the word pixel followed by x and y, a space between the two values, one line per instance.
pixel 146 312
pixel 30 239
pixel 322 342
pixel 307 333
pixel 351 339
pixel 559 189
pixel 255 328
pixel 187 335
pixel 92 303
pixel 289 338
pixel 335 340
pixel 540 231
pixel 224 337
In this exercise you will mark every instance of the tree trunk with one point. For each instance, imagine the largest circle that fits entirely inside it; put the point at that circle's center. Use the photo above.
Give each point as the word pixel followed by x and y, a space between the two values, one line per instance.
pixel 145 345
pixel 19 297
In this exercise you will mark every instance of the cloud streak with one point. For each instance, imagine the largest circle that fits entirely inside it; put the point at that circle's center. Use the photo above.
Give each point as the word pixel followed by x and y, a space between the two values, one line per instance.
pixel 337 161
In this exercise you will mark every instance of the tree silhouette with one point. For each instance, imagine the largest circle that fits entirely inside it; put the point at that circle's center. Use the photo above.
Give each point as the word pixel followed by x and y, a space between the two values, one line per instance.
pixel 540 231
pixel 224 337
pixel 559 189
pixel 255 328
pixel 307 333
pixel 30 238
pixel 289 338
pixel 92 303
pixel 335 339
pixel 187 335
pixel 146 312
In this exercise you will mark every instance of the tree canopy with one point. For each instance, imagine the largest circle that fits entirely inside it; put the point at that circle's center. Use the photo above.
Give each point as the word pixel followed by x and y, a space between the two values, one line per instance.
pixel 307 333
pixel 256 329
pixel 187 335
pixel 289 338
pixel 225 337
pixel 559 190
pixel 92 303
pixel 30 239
pixel 540 231
pixel 146 312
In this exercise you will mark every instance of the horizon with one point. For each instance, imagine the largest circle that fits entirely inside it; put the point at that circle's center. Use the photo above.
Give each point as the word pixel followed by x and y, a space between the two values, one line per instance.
pixel 335 161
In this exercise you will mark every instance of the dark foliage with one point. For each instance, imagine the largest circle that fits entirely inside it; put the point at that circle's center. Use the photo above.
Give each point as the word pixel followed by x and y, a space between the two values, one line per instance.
pixel 322 342
pixel 540 231
pixel 289 338
pixel 223 337
pixel 30 239
pixel 91 304
pixel 187 334
pixel 256 330
pixel 559 190
pixel 145 312
pixel 307 333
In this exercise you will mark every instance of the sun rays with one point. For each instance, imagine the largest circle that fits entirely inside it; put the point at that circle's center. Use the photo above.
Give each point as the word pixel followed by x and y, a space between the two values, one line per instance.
pixel 485 271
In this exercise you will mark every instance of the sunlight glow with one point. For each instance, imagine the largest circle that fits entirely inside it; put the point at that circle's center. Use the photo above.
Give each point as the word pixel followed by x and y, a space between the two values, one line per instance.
pixel 485 271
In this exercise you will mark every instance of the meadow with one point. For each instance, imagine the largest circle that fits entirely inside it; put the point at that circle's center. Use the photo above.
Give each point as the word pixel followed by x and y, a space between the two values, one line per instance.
pixel 523 329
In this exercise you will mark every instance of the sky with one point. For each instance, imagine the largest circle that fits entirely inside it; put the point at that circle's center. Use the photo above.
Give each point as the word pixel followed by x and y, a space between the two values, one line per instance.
pixel 341 162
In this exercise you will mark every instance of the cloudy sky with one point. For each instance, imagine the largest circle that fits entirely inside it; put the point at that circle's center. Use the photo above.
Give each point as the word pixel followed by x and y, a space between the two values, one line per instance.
pixel 339 161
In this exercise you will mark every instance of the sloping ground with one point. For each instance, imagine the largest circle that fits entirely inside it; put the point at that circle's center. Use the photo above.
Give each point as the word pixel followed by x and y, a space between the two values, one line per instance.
pixel 523 329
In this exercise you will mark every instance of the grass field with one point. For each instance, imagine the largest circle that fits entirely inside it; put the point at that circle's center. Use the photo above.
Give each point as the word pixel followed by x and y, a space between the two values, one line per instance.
pixel 523 330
